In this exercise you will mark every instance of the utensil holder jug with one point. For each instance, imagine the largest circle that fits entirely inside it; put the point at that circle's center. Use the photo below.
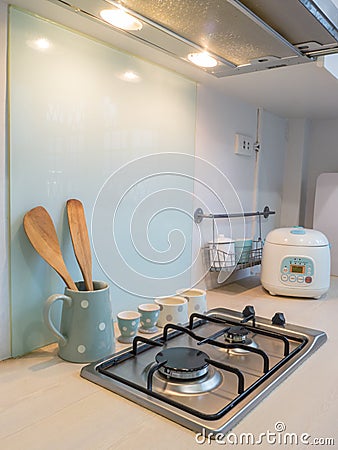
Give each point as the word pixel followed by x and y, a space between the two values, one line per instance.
pixel 86 331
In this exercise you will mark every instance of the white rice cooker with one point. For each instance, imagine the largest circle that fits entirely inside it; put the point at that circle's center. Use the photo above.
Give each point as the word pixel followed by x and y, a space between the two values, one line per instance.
pixel 296 262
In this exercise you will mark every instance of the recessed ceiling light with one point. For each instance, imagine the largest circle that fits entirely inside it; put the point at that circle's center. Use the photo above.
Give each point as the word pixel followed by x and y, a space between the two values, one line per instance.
pixel 202 59
pixel 120 19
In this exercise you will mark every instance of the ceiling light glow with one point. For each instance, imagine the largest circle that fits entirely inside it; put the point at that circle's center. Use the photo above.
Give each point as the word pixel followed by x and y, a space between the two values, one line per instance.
pixel 202 59
pixel 131 76
pixel 121 19
pixel 42 43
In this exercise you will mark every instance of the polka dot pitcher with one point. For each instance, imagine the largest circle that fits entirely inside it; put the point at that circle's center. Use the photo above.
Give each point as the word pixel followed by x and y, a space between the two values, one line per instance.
pixel 86 331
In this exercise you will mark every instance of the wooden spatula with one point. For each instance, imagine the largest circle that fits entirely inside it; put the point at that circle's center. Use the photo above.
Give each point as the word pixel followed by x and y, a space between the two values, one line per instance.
pixel 80 239
pixel 41 232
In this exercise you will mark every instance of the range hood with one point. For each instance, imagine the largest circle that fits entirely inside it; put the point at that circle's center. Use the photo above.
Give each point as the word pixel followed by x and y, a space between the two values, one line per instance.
pixel 242 36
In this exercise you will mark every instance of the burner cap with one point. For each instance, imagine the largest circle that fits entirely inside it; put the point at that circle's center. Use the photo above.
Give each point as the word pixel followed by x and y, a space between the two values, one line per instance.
pixel 236 334
pixel 183 363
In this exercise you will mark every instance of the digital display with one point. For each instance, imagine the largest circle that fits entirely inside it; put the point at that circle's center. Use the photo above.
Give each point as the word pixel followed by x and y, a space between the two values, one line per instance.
pixel 297 269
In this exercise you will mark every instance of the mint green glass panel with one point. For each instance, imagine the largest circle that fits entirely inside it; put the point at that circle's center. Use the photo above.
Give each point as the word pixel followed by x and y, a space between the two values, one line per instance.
pixel 87 121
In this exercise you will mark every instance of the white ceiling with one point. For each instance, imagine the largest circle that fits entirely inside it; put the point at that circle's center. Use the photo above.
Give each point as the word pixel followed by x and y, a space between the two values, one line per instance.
pixel 305 90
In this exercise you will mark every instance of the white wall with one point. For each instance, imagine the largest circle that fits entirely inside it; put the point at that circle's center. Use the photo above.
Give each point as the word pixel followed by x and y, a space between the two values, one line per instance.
pixel 322 157
pixel 295 164
pixel 274 140
pixel 219 118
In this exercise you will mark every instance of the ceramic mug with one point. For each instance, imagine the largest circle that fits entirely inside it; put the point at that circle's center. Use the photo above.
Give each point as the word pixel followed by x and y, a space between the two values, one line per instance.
pixel 149 316
pixel 197 300
pixel 243 248
pixel 86 333
pixel 172 310
pixel 128 323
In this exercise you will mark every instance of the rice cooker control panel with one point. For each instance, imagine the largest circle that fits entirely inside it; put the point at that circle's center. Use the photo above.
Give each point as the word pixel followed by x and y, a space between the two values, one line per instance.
pixel 297 271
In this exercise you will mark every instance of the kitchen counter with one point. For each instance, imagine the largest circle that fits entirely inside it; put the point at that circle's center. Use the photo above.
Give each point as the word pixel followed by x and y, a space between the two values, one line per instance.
pixel 45 404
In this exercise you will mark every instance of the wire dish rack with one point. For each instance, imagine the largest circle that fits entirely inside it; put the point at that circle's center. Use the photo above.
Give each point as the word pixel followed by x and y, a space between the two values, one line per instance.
pixel 219 260
pixel 233 259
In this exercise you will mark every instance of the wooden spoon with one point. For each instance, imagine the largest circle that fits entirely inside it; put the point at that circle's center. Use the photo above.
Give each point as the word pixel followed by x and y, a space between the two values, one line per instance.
pixel 80 239
pixel 41 232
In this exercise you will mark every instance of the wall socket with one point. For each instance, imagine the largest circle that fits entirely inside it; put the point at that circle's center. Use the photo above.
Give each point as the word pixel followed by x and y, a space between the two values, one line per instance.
pixel 243 144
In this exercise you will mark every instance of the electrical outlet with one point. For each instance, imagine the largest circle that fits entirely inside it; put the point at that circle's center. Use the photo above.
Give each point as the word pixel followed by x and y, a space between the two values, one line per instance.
pixel 243 144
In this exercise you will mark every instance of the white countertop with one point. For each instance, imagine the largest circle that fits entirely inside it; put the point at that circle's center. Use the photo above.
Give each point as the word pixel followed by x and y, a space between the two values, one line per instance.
pixel 45 404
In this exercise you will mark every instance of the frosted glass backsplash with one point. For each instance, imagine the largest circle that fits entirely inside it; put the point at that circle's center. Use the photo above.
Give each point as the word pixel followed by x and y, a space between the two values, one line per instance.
pixel 90 122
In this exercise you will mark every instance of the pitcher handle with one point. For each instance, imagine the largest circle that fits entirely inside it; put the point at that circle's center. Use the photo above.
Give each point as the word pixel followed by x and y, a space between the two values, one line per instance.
pixel 47 315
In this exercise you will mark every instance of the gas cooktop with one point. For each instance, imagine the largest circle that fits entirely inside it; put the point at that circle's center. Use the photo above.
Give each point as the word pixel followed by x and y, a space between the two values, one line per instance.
pixel 208 374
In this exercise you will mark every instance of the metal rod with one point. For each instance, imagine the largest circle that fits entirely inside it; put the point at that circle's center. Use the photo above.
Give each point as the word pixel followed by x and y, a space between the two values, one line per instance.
pixel 151 374
pixel 258 351
pixel 138 339
pixel 199 215
pixel 168 326
pixel 213 336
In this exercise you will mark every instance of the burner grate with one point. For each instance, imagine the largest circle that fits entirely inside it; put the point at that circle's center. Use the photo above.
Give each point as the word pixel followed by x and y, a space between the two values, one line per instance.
pixel 139 373
pixel 162 362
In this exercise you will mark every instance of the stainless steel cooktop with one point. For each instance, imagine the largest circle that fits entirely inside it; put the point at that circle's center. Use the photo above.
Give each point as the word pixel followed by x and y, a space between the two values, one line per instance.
pixel 208 374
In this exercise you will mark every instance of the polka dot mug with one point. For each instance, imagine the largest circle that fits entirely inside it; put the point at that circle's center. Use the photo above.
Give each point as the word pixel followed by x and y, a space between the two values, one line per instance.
pixel 86 332
pixel 149 316
pixel 172 310
pixel 128 323
pixel 197 300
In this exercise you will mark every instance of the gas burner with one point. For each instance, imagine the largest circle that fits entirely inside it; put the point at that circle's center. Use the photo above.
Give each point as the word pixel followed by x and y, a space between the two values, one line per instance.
pixel 239 335
pixel 182 363
pixel 236 335
pixel 212 380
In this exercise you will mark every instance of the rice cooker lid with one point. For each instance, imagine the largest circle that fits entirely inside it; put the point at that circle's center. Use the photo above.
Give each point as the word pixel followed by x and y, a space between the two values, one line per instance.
pixel 297 236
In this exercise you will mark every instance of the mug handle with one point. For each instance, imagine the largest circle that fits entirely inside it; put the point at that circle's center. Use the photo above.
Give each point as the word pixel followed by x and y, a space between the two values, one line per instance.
pixel 47 315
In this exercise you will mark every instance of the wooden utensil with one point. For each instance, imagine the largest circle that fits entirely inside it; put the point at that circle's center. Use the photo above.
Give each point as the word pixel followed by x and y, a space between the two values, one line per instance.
pixel 80 239
pixel 41 232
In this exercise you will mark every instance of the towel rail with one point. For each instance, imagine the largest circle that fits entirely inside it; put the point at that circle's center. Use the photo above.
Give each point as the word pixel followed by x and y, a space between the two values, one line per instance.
pixel 199 214
pixel 221 260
